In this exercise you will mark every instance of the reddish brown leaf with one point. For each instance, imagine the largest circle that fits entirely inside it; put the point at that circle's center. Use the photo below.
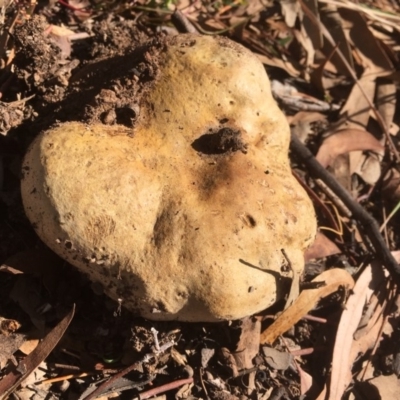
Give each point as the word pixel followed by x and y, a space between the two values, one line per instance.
pixel 345 141
pixel 322 247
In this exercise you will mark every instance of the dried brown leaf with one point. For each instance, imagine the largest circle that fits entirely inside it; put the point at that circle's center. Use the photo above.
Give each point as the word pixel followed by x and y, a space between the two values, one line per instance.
pixel 211 25
pixel 355 115
pixel 306 116
pixel 356 111
pixel 276 359
pixel 249 342
pixel 303 38
pixel 388 387
pixel 313 31
pixel 386 100
pixel 9 344
pixel 206 355
pixel 322 247
pixel 334 24
pixel 391 185
pixel 396 255
pixel 345 141
pixel 346 348
pixel 29 345
pixel 254 7
pixel 367 166
pixel 388 20
pixel 291 10
pixel 323 81
pixel 367 46
pixel 294 290
pixel 306 380
pixel 248 347
pixel 301 123
pixel 228 361
pixel 307 300
pixel 279 63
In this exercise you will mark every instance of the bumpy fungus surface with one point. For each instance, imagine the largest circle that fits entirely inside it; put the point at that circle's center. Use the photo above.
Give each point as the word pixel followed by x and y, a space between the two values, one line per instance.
pixel 185 217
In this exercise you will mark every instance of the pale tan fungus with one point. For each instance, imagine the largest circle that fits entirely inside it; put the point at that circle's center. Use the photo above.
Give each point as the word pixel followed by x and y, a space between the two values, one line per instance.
pixel 185 219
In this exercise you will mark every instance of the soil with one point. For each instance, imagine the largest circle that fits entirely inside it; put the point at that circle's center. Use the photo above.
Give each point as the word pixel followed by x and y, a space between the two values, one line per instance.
pixel 101 81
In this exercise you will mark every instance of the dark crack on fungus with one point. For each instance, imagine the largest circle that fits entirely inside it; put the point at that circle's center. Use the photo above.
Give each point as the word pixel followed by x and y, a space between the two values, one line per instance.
pixel 251 221
pixel 224 140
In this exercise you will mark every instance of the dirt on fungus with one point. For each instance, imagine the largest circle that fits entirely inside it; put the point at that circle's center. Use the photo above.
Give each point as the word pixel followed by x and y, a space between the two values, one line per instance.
pixel 102 81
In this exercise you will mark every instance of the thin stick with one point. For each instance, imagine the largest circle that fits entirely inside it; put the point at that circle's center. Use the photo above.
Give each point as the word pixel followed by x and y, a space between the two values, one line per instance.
pixel 64 378
pixel 371 228
pixel 391 215
pixel 165 388
pixel 181 23
pixel 107 384
pixel 315 319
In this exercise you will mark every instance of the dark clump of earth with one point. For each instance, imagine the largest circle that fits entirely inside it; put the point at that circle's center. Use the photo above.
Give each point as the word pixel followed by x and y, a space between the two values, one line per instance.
pixel 101 80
